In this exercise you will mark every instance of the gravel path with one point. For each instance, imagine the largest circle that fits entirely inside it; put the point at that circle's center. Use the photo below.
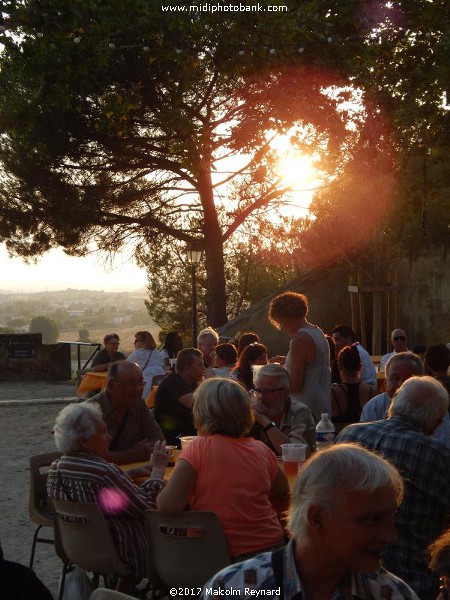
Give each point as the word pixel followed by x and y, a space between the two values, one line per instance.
pixel 27 414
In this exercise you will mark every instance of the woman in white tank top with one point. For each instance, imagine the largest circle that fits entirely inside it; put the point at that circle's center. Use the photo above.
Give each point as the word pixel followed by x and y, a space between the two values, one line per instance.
pixel 308 359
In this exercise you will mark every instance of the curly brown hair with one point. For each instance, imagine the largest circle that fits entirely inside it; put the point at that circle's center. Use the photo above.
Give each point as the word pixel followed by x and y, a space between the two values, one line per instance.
pixel 289 305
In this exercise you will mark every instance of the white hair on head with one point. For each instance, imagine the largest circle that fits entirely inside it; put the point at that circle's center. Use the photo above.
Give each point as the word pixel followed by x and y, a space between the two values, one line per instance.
pixel 329 474
pixel 422 401
pixel 410 357
pixel 74 424
pixel 208 332
pixel 272 370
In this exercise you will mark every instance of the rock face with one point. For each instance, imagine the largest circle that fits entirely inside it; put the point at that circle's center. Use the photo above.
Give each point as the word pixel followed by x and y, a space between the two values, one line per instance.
pixel 421 306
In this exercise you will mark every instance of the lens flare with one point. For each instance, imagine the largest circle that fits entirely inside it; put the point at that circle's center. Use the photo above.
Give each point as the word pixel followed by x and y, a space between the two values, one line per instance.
pixel 112 501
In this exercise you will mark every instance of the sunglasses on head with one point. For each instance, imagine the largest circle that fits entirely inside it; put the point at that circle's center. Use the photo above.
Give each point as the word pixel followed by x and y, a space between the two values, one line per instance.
pixel 399 338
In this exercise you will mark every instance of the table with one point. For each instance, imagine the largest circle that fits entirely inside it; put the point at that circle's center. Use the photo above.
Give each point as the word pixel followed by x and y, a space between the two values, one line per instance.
pixel 139 480
pixel 93 380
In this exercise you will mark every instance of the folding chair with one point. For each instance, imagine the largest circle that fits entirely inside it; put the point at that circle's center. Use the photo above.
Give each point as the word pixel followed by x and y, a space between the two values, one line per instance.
pixel 86 540
pixel 184 550
pixel 39 506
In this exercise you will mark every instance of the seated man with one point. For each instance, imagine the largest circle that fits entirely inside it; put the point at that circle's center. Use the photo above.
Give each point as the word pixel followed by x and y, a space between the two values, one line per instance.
pixel 174 397
pixel 278 418
pixel 130 424
pixel 109 354
pixel 207 341
pixel 404 438
pixel 343 335
pixel 341 518
pixel 399 368
pixel 398 342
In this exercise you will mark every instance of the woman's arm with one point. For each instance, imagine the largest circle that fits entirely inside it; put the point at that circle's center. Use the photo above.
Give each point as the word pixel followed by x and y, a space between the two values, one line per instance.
pixel 174 497
pixel 301 352
pixel 280 484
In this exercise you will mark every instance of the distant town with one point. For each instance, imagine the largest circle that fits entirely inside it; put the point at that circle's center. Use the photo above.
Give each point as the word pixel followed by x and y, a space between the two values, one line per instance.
pixel 80 315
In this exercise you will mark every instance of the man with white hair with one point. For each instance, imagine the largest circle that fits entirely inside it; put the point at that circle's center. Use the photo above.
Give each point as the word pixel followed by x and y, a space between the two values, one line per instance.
pixel 207 341
pixel 416 410
pixel 399 368
pixel 398 342
pixel 278 418
pixel 340 520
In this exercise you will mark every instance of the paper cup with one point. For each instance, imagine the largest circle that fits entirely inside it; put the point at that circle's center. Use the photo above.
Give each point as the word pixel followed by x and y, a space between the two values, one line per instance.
pixel 292 455
pixel 171 452
pixel 186 440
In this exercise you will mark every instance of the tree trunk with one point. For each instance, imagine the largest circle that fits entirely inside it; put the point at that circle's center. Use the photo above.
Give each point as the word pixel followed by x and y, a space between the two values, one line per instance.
pixel 216 305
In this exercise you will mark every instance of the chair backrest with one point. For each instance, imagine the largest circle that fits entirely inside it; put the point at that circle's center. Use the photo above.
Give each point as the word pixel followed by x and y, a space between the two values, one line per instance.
pixel 85 537
pixel 184 550
pixel 105 594
pixel 38 503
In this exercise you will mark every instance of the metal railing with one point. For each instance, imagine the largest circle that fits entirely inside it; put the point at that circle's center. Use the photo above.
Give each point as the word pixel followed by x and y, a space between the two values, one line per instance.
pixel 79 345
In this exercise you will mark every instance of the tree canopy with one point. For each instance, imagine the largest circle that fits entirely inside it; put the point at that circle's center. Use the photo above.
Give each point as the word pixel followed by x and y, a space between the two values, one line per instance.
pixel 125 123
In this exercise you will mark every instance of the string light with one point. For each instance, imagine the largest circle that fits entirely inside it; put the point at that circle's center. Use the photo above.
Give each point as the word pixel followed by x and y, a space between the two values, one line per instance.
pixel 250 49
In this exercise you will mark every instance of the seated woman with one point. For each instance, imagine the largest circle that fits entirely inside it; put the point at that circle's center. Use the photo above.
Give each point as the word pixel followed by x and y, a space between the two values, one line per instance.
pixel 83 475
pixel 148 358
pixel 173 343
pixel 224 361
pixel 245 340
pixel 439 552
pixel 225 472
pixel 253 354
pixel 349 397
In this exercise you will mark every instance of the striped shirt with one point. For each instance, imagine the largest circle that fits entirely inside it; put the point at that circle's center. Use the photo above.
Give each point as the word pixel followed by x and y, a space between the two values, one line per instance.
pixel 87 478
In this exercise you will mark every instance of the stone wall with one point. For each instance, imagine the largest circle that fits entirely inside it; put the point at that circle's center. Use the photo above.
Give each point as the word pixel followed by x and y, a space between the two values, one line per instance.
pixel 423 303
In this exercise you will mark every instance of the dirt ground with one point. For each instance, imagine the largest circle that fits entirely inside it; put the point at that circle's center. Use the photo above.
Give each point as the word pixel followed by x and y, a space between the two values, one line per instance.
pixel 27 414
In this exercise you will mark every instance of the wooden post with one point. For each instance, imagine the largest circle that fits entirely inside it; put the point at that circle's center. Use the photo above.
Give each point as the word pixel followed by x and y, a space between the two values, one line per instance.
pixel 362 316
pixel 396 302
pixel 388 319
pixel 376 324
pixel 354 310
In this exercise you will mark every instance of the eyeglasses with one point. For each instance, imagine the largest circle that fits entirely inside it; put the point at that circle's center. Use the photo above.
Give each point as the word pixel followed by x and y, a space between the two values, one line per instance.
pixel 399 338
pixel 259 392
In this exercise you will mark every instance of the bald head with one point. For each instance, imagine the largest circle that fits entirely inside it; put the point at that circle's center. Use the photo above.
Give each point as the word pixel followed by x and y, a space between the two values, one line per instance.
pixel 125 385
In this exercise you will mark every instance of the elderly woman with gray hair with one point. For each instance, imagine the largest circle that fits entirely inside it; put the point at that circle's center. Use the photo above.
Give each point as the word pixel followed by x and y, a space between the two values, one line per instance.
pixel 83 475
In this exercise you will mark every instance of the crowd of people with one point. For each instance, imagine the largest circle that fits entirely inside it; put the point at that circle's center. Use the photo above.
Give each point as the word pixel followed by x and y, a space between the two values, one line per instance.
pixel 363 512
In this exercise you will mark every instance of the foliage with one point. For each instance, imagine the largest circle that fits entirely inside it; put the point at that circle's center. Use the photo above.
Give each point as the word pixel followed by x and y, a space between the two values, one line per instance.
pixel 47 327
pixel 83 335
pixel 261 261
pixel 125 144
pixel 126 135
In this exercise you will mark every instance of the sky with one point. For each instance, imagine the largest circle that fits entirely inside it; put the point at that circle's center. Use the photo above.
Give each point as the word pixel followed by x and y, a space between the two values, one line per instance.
pixel 57 271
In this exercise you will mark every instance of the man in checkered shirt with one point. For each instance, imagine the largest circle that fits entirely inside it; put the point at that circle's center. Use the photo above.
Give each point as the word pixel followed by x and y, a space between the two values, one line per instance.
pixel 417 408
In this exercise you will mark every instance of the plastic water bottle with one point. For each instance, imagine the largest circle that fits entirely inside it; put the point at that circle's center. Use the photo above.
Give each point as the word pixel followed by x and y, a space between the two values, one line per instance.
pixel 325 432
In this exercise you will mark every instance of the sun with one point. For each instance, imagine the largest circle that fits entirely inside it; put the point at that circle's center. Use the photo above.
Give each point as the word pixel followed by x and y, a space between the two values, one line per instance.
pixel 297 171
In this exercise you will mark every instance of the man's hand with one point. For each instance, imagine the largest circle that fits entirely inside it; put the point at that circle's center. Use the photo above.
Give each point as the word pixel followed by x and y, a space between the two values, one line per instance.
pixel 260 413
